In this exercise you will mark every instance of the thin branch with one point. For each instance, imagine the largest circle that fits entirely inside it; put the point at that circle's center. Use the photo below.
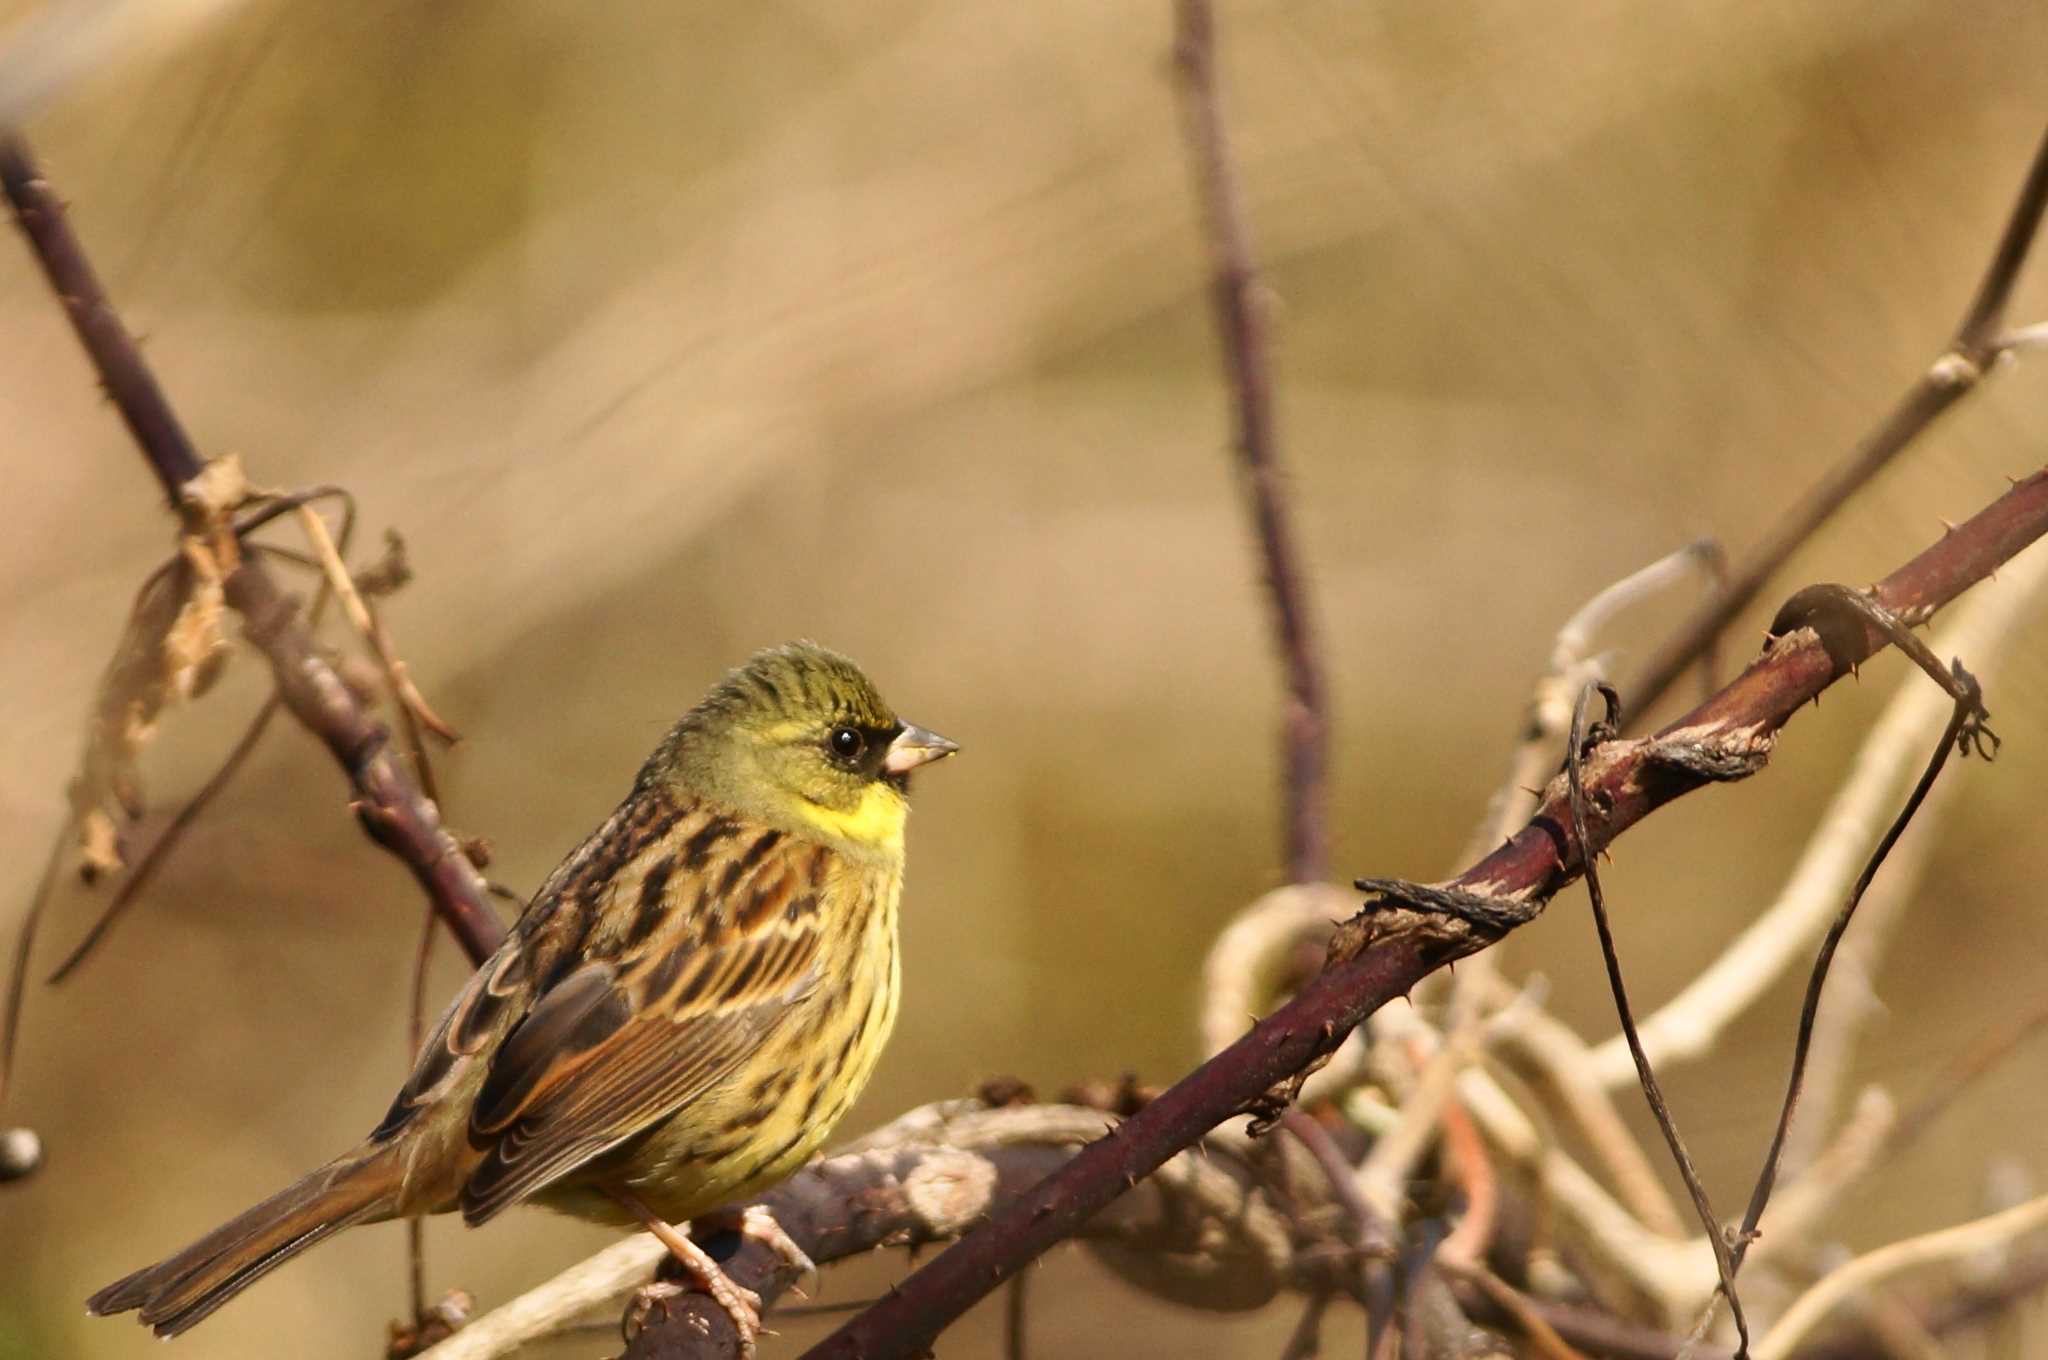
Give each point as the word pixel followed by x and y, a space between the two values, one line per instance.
pixel 1948 380
pixel 388 801
pixel 1386 953
pixel 22 1151
pixel 160 849
pixel 405 696
pixel 1241 323
pixel 416 1038
pixel 1372 1237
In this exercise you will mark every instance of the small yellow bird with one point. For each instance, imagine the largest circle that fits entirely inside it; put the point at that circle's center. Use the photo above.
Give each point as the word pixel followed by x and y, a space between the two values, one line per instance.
pixel 686 1008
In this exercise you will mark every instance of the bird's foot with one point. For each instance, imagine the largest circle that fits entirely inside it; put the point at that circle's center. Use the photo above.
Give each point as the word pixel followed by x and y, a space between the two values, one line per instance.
pixel 700 1273
pixel 652 1303
pixel 755 1221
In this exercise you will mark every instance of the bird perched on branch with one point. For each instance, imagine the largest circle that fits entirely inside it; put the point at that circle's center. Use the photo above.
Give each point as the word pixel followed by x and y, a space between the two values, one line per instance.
pixel 686 1008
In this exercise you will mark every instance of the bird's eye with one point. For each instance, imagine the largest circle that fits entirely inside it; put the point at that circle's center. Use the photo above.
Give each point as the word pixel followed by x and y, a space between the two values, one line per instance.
pixel 847 742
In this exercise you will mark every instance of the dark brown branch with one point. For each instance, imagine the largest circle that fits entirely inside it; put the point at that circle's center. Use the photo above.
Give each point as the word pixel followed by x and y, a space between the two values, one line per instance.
pixel 1241 324
pixel 1383 955
pixel 127 379
pixel 1949 379
pixel 387 800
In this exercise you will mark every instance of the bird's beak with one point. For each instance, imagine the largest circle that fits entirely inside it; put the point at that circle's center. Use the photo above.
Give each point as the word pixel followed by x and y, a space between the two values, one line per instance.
pixel 915 746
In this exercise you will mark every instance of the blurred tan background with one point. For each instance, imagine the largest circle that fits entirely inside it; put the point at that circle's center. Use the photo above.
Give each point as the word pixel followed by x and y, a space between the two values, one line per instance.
pixel 667 331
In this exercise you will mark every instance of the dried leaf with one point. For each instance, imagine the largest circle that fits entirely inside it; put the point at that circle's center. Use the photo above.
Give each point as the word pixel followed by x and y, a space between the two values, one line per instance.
pixel 172 649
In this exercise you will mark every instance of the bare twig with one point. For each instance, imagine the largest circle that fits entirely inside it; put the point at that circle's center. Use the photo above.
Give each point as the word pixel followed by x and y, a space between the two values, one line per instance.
pixel 416 1038
pixel 1371 1233
pixel 404 693
pixel 388 801
pixel 1241 322
pixel 22 1153
pixel 160 849
pixel 1950 378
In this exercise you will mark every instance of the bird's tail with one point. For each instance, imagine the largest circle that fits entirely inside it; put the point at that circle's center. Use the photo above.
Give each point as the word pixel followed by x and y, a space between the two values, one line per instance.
pixel 177 1292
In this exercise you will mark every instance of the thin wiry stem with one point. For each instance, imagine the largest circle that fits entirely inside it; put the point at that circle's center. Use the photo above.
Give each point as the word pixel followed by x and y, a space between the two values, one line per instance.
pixel 1964 728
pixel 174 831
pixel 17 974
pixel 1724 1262
pixel 416 1038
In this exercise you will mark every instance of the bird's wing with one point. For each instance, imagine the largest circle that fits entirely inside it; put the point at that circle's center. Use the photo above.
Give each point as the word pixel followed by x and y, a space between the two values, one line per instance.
pixel 660 1000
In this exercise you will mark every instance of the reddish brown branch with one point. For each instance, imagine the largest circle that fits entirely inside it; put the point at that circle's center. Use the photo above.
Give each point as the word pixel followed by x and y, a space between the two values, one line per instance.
pixel 1977 344
pixel 1241 324
pixel 1382 955
pixel 392 808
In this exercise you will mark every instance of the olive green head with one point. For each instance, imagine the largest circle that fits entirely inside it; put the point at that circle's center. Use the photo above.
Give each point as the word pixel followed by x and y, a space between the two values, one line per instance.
pixel 801 738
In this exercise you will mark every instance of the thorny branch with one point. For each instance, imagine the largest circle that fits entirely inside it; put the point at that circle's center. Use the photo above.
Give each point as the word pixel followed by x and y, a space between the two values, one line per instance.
pixel 1241 324
pixel 1979 344
pixel 388 800
pixel 1383 953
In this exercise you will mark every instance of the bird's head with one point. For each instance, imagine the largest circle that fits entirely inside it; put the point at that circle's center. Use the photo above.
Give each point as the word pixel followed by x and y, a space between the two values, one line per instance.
pixel 800 738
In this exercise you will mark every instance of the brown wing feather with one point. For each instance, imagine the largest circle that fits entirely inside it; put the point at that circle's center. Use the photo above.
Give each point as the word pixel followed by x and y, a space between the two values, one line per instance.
pixel 644 1026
